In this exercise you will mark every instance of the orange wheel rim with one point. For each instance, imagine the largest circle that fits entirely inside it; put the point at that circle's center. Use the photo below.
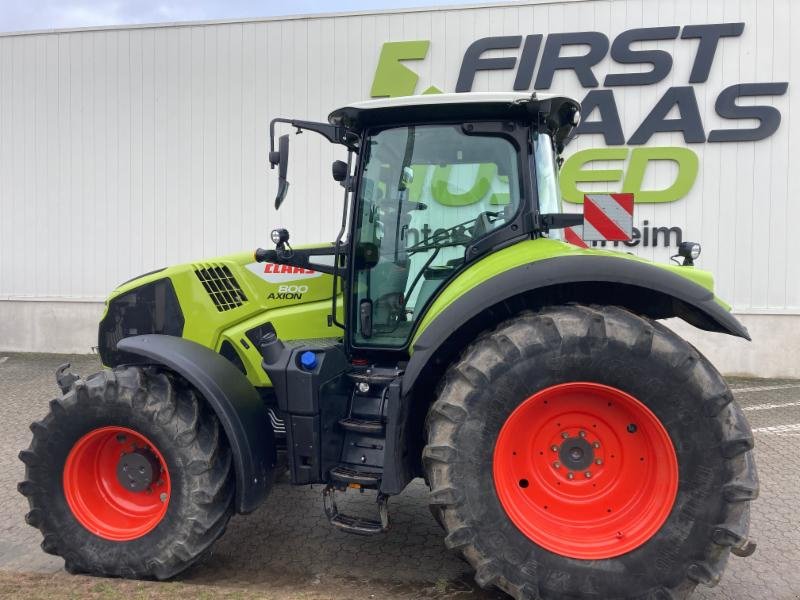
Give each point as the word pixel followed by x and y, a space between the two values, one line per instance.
pixel 585 470
pixel 116 483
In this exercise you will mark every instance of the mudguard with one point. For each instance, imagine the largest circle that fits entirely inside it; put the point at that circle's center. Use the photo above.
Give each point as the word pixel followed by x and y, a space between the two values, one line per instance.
pixel 637 284
pixel 234 400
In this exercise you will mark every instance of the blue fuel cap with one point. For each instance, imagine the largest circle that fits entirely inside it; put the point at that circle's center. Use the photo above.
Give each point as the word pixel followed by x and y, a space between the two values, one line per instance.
pixel 308 360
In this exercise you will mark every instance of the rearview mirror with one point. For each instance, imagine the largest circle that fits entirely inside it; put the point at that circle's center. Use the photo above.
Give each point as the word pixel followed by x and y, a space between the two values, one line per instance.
pixel 281 158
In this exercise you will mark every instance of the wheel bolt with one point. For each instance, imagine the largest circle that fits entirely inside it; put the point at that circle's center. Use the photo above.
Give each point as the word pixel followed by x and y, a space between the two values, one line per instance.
pixel 588 474
pixel 556 465
pixel 582 434
pixel 596 444
pixel 564 434
pixel 163 497
pixel 599 461
pixel 570 475
pixel 121 437
pixel 554 448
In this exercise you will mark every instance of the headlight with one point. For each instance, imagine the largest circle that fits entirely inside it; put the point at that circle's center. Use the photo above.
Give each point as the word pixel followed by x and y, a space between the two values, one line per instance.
pixel 279 236
pixel 690 251
pixel 149 308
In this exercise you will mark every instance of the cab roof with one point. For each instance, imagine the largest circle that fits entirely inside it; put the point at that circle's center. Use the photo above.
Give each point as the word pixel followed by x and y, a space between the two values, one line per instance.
pixel 438 107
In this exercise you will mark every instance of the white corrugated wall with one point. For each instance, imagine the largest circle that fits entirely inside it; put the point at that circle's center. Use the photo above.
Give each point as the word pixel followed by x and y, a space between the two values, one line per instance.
pixel 123 150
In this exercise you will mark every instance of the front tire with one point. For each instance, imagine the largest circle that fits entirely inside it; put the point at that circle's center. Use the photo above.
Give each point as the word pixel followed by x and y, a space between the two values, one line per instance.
pixel 128 475
pixel 671 490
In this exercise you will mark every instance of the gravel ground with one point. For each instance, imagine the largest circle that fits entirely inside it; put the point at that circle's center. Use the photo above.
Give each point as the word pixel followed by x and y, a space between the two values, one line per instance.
pixel 286 549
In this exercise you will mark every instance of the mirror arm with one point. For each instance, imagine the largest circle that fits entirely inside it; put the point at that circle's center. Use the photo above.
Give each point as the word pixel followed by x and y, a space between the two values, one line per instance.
pixel 334 134
pixel 559 221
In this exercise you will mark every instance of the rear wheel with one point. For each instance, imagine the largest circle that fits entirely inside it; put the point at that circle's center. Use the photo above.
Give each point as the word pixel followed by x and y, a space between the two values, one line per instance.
pixel 587 452
pixel 128 475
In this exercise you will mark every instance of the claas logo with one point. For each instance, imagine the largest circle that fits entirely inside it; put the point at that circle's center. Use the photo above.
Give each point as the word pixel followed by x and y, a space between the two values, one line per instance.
pixel 277 274
pixel 287 269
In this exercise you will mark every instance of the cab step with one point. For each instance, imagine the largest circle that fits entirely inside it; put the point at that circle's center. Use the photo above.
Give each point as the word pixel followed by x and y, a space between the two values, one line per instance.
pixel 349 476
pixel 362 425
pixel 374 376
pixel 352 524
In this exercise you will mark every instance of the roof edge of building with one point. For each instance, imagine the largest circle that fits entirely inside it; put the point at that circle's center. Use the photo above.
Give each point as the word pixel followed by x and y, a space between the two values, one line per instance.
pixel 297 17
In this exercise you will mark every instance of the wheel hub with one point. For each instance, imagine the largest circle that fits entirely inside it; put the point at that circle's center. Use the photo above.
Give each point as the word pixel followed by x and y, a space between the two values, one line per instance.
pixel 576 454
pixel 585 470
pixel 138 470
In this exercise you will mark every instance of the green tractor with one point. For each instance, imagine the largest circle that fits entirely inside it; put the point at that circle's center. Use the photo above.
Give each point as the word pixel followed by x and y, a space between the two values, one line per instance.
pixel 573 446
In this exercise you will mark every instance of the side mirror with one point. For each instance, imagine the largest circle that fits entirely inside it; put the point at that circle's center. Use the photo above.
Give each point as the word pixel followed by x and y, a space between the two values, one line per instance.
pixel 281 158
pixel 339 170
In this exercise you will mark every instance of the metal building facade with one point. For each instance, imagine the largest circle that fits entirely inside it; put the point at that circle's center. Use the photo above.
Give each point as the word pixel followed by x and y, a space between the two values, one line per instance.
pixel 126 149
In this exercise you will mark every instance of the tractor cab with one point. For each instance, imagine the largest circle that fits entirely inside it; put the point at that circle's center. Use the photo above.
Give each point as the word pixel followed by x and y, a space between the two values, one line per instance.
pixel 433 183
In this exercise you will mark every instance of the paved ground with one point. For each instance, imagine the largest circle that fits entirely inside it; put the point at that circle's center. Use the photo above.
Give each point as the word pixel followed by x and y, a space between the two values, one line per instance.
pixel 288 545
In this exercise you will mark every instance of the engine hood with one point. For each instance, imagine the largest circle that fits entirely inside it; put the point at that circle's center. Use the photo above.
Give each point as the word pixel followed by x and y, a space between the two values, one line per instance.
pixel 201 300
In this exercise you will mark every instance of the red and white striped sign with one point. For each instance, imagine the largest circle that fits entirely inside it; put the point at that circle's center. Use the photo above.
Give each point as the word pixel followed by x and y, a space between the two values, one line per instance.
pixel 607 217
pixel 572 235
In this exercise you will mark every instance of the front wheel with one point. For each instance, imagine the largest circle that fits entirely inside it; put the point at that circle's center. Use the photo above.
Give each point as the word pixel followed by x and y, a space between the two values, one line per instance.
pixel 128 475
pixel 589 453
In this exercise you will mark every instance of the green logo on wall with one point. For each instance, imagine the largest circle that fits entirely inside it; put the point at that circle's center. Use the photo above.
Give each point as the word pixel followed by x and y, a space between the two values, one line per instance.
pixel 573 172
pixel 392 77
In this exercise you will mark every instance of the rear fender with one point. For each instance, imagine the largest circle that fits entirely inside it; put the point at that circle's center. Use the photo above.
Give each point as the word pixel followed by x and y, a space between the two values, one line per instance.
pixel 230 395
pixel 644 288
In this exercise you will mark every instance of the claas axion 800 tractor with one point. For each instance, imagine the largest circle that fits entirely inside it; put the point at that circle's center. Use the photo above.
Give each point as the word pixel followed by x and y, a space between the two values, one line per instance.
pixel 574 446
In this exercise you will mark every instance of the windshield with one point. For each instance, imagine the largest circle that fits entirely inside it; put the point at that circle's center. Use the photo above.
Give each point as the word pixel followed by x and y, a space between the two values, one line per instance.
pixel 427 192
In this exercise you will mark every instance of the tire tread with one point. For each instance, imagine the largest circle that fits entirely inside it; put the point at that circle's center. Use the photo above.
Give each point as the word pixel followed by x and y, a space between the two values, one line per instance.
pixel 172 404
pixel 527 334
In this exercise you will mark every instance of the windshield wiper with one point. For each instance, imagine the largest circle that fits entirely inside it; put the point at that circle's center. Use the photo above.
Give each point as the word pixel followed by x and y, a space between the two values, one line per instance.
pixel 417 249
pixel 444 234
pixel 420 274
pixel 401 188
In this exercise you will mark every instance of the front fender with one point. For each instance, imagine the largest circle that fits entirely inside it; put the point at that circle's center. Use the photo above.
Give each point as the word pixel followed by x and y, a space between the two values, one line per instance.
pixel 596 278
pixel 231 396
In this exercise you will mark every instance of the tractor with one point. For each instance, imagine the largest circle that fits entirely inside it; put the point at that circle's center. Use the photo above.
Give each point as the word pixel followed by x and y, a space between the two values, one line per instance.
pixel 573 445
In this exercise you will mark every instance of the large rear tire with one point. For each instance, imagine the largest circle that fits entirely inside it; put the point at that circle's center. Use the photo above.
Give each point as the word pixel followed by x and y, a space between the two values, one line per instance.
pixel 589 453
pixel 128 475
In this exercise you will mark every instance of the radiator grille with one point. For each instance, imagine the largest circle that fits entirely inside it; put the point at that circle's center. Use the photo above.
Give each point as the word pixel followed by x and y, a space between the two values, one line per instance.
pixel 221 286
